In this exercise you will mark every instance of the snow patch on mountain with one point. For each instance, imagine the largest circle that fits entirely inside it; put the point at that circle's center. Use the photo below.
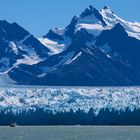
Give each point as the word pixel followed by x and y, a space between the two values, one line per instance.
pixel 94 29
pixel 13 46
pixel 74 58
pixel 132 28
pixel 25 38
pixel 53 46
pixel 59 31
pixel 28 60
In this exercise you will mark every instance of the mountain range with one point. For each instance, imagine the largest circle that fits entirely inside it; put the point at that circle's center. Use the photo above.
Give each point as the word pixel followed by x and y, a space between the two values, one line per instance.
pixel 97 48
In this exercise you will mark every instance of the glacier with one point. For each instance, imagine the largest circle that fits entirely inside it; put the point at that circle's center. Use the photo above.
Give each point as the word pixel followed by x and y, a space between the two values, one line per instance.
pixel 40 105
pixel 65 99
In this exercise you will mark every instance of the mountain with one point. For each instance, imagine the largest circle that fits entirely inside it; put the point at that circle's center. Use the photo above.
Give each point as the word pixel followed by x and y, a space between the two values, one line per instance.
pixel 97 48
pixel 18 46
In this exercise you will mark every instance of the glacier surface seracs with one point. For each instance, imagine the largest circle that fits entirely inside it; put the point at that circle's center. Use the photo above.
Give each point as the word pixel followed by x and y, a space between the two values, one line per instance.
pixel 65 99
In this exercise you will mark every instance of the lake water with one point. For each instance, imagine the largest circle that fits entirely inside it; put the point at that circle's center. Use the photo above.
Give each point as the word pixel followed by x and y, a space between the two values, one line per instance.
pixel 70 133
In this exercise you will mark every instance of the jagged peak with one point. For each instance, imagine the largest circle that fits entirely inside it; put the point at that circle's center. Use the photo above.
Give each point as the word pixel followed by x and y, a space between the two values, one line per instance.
pixel 12 31
pixel 88 11
pixel 4 21
pixel 74 19
pixel 95 15
pixel 107 9
pixel 91 8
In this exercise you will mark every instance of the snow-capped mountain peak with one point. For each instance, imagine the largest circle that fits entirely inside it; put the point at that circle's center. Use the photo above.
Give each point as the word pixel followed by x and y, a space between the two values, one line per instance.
pixel 132 28
pixel 91 20
pixel 106 7
pixel 91 16
pixel 109 16
pixel 96 48
pixel 18 47
pixel 88 11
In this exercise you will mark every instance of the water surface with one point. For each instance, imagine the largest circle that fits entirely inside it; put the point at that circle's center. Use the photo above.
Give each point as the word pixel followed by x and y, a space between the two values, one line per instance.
pixel 71 133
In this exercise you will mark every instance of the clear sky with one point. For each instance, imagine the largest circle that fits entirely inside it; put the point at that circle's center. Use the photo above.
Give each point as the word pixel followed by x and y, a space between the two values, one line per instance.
pixel 38 16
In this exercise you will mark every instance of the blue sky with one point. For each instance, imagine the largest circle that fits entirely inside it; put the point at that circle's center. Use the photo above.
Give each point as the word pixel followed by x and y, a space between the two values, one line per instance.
pixel 38 16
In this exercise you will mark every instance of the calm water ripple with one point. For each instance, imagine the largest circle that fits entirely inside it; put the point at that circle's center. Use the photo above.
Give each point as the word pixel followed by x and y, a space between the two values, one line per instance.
pixel 71 133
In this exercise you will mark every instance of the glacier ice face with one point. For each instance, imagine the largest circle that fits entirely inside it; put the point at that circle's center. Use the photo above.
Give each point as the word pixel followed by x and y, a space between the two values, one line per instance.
pixel 65 99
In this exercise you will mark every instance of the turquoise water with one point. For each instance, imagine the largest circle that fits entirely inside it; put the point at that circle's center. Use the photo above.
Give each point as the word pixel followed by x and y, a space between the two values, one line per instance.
pixel 71 133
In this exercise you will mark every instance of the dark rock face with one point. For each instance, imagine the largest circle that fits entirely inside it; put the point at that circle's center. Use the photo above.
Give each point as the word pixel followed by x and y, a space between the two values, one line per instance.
pixel 9 32
pixel 12 32
pixel 53 36
pixel 40 49
pixel 70 29
pixel 128 50
pixel 91 10
pixel 15 43
pixel 83 36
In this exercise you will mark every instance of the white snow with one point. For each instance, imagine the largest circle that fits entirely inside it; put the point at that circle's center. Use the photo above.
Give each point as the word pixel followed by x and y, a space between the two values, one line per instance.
pixel 66 58
pixel 13 46
pixel 28 60
pixel 53 46
pixel 61 99
pixel 109 17
pixel 25 38
pixel 94 29
pixel 91 24
pixel 132 28
pixel 94 26
pixel 74 58
pixel 59 31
